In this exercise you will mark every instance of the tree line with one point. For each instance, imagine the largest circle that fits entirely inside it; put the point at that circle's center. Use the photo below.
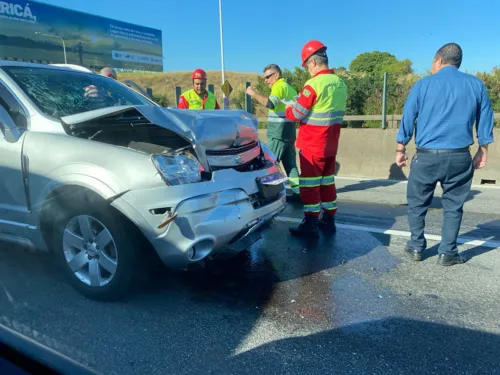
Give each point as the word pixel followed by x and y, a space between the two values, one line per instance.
pixel 364 78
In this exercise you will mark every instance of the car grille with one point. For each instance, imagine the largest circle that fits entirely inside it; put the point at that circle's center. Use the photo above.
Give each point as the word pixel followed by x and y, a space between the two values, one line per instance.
pixel 238 157
pixel 254 165
pixel 232 151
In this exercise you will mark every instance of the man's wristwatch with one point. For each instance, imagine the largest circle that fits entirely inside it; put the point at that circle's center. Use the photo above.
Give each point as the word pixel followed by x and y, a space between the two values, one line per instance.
pixel 402 151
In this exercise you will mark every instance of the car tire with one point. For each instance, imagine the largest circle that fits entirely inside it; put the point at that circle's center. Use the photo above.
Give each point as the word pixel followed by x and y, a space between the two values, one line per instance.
pixel 99 273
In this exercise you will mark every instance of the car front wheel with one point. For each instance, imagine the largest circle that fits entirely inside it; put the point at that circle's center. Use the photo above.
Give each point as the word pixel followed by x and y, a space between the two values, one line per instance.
pixel 98 250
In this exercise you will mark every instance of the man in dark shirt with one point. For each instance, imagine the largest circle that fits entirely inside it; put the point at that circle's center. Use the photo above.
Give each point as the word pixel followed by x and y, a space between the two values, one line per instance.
pixel 445 105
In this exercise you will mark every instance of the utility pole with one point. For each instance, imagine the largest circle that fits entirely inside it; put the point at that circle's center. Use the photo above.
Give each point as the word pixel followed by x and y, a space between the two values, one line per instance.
pixel 226 99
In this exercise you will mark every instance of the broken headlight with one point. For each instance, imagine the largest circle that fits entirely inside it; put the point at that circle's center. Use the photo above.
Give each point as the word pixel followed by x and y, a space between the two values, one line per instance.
pixel 178 169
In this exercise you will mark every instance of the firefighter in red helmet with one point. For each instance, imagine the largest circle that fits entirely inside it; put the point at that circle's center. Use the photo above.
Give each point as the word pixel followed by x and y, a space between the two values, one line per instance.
pixel 319 109
pixel 198 97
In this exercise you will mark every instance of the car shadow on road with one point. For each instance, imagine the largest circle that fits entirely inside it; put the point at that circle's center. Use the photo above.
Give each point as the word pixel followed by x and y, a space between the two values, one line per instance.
pixel 387 346
pixel 246 280
pixel 251 278
pixel 396 175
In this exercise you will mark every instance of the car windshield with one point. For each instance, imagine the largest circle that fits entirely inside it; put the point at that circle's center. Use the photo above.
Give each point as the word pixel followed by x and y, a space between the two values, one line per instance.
pixel 59 93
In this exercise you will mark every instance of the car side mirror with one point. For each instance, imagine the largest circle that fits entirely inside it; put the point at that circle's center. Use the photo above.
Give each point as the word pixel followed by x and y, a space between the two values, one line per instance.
pixel 9 129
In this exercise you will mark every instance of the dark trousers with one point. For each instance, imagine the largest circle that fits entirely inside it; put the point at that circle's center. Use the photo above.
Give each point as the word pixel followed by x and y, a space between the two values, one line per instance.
pixel 454 171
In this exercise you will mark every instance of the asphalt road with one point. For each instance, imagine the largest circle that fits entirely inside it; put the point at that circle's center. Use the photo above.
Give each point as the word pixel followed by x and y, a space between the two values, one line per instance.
pixel 351 303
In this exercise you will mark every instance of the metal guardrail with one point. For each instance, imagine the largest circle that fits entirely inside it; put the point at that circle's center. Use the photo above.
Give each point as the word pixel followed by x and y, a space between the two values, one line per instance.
pixel 359 118
pixel 388 117
pixel 375 117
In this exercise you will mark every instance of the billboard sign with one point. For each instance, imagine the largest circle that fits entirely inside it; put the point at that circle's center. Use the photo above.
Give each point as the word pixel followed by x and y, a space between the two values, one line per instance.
pixel 33 31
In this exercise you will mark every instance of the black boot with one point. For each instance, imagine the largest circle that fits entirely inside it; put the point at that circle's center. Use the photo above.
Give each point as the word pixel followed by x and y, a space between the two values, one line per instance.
pixel 307 228
pixel 450 260
pixel 327 223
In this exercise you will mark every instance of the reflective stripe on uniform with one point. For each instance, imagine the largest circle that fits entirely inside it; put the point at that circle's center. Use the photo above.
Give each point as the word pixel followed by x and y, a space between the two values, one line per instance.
pixel 277 114
pixel 330 206
pixel 301 109
pixel 326 115
pixel 277 117
pixel 309 182
pixel 299 115
pixel 324 118
pixel 312 207
pixel 275 100
pixel 294 181
pixel 330 106
pixel 294 184
pixel 328 122
pixel 328 180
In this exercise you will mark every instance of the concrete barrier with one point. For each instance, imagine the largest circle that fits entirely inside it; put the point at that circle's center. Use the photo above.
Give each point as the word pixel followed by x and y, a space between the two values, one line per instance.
pixel 371 153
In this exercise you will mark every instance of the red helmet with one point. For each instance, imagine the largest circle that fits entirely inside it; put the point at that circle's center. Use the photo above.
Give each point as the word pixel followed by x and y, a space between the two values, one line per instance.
pixel 310 48
pixel 199 74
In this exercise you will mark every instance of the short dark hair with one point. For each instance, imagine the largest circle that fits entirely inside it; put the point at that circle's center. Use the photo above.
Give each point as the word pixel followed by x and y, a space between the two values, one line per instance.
pixel 320 57
pixel 451 54
pixel 274 67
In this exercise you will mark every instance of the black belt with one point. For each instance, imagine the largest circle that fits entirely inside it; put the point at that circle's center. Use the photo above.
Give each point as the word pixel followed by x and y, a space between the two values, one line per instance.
pixel 445 151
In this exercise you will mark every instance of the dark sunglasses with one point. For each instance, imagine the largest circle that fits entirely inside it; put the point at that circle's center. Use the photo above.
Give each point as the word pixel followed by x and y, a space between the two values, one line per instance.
pixel 269 75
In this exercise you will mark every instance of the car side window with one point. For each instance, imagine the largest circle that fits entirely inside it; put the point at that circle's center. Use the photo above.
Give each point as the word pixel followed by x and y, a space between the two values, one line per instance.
pixel 13 108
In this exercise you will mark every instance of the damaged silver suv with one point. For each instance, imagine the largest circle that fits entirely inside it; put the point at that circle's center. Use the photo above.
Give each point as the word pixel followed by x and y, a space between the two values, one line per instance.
pixel 101 176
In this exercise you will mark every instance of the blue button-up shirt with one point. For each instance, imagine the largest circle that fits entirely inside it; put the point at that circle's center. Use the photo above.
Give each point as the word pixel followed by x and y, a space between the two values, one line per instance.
pixel 445 106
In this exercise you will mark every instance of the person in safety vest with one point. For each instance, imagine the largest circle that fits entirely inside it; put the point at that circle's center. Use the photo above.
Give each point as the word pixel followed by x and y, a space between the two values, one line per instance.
pixel 281 133
pixel 320 109
pixel 198 97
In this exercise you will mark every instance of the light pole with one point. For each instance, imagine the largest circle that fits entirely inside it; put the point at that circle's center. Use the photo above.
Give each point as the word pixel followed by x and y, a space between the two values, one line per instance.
pixel 226 101
pixel 56 36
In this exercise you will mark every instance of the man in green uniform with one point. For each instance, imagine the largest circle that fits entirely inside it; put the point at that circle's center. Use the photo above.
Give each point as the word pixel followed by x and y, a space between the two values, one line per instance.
pixel 281 133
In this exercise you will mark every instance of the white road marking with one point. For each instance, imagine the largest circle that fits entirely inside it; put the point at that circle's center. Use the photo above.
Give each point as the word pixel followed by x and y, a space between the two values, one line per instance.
pixel 400 233
pixel 391 182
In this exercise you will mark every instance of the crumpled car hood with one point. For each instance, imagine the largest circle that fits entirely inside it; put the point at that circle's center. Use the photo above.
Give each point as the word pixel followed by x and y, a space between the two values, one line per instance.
pixel 205 129
pixel 213 129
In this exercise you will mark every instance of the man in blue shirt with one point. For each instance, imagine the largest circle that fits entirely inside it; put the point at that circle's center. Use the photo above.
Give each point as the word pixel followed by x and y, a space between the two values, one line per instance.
pixel 445 107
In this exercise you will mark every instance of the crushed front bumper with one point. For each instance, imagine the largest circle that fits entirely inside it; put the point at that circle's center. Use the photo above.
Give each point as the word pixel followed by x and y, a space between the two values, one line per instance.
pixel 210 218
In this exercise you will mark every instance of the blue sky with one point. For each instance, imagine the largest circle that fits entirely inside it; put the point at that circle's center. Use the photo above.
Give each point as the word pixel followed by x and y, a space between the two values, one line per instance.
pixel 259 32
